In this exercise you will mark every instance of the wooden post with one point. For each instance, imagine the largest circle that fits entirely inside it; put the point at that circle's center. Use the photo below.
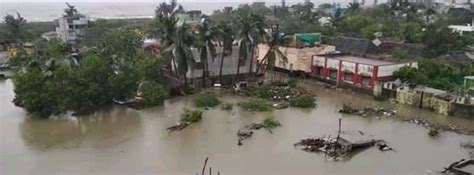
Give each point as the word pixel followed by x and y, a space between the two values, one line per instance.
pixel 210 170
pixel 339 131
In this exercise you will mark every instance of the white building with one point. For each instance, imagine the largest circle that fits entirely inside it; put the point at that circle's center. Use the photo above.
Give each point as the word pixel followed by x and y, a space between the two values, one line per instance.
pixel 69 28
pixel 463 29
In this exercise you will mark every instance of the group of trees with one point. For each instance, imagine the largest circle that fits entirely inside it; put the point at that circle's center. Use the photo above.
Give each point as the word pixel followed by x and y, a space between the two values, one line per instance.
pixel 53 81
pixel 209 37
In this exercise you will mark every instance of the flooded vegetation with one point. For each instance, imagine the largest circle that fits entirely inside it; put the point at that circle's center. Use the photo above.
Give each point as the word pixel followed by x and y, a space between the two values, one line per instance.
pixel 121 140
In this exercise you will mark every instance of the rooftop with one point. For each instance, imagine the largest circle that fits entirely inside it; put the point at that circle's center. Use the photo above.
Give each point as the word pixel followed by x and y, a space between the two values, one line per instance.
pixel 362 60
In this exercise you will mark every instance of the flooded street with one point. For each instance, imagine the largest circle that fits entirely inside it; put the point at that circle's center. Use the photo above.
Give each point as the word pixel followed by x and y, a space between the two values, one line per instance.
pixel 126 141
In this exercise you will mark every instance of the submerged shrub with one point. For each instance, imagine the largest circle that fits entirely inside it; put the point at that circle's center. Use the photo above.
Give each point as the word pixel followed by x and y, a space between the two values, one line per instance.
pixel 303 102
pixel 207 99
pixel 263 92
pixel 270 123
pixel 191 116
pixel 292 82
pixel 153 93
pixel 256 105
pixel 227 106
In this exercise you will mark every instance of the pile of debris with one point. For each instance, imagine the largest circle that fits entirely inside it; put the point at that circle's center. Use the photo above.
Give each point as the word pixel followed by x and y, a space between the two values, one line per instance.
pixel 247 131
pixel 337 146
pixel 460 167
pixel 438 127
pixel 367 111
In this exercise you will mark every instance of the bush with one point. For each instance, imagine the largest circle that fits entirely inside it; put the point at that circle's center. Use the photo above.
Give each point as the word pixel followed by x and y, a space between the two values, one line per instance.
pixel 227 106
pixel 256 105
pixel 270 123
pixel 263 92
pixel 153 93
pixel 303 102
pixel 191 116
pixel 207 99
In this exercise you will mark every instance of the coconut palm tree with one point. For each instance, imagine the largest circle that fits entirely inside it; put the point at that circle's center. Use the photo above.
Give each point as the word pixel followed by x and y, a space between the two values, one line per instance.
pixel 227 37
pixel 273 40
pixel 70 11
pixel 168 10
pixel 249 29
pixel 181 51
pixel 15 26
pixel 206 34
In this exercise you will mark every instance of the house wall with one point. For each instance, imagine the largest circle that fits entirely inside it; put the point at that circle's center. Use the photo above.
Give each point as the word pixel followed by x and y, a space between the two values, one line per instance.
pixel 298 59
pixel 229 67
pixel 424 100
pixel 353 73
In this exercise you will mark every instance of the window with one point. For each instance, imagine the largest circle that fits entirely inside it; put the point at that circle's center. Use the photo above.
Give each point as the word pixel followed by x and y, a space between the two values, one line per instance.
pixel 333 74
pixel 348 76
pixel 365 81
pixel 318 71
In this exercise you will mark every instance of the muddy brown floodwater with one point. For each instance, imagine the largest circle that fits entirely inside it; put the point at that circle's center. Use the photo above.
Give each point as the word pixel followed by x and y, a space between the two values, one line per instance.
pixel 126 141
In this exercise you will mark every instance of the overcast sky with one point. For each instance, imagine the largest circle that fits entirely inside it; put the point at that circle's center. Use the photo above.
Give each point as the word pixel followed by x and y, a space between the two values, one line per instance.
pixel 243 1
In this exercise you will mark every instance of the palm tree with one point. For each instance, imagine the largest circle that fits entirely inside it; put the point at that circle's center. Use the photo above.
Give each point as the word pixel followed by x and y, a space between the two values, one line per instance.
pixel 227 38
pixel 166 21
pixel 70 11
pixel 353 6
pixel 274 40
pixel 249 27
pixel 15 26
pixel 181 50
pixel 206 35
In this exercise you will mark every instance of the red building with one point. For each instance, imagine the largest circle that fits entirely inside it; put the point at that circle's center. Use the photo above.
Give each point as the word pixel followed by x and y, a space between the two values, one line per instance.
pixel 355 70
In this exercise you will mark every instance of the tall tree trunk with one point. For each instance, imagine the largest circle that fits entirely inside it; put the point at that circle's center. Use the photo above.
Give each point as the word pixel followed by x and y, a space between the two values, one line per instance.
pixel 252 55
pixel 175 66
pixel 185 82
pixel 238 70
pixel 204 67
pixel 222 64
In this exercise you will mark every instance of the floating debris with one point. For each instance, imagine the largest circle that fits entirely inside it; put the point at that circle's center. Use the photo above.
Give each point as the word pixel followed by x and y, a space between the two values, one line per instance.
pixel 458 167
pixel 281 105
pixel 367 111
pixel 247 131
pixel 337 146
pixel 432 126
pixel 433 133
pixel 188 117
pixel 178 126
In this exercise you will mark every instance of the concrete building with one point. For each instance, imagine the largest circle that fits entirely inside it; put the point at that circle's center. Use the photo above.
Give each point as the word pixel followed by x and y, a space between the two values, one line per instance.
pixel 355 71
pixel 463 28
pixel 298 59
pixel 69 28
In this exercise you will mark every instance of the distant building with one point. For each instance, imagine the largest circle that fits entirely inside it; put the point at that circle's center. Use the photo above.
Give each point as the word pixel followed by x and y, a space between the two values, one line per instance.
pixel 69 28
pixel 463 28
pixel 191 17
pixel 354 70
pixel 298 59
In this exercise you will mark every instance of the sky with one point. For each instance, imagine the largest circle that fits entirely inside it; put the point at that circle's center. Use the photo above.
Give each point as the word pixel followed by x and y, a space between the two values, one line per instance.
pixel 243 1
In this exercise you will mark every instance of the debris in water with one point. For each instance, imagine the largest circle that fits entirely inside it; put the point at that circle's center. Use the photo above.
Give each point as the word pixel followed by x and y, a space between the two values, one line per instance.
pixel 337 147
pixel 433 133
pixel 178 127
pixel 438 127
pixel 367 111
pixel 458 167
pixel 247 131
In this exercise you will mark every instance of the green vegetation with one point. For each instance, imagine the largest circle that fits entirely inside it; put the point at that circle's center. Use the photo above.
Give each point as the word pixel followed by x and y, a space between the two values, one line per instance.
pixel 191 116
pixel 270 123
pixel 256 104
pixel 51 81
pixel 303 102
pixel 227 106
pixel 153 93
pixel 292 82
pixel 432 73
pixel 207 99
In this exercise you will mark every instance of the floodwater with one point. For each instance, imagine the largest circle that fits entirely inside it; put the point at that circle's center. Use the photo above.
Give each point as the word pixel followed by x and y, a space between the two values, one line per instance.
pixel 126 141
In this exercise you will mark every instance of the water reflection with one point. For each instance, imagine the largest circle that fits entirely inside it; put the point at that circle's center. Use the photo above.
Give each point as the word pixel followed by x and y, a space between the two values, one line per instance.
pixel 103 129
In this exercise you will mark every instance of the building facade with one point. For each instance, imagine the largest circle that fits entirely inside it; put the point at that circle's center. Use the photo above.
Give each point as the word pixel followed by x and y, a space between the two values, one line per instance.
pixel 355 70
pixel 69 28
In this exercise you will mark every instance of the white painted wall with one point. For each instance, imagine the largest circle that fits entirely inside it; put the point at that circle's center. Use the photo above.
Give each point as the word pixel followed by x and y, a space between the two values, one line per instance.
pixel 366 70
pixel 348 66
pixel 389 69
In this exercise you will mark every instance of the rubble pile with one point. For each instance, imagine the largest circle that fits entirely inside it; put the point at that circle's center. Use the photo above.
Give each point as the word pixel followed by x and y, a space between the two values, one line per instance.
pixel 337 146
pixel 247 131
pixel 367 111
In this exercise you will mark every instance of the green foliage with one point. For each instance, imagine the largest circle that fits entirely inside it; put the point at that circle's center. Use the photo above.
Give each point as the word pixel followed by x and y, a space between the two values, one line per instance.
pixel 303 102
pixel 191 116
pixel 256 104
pixel 263 92
pixel 399 54
pixel 431 73
pixel 51 82
pixel 270 123
pixel 153 93
pixel 207 99
pixel 227 106
pixel 15 27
